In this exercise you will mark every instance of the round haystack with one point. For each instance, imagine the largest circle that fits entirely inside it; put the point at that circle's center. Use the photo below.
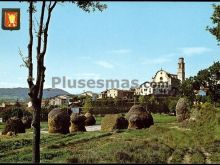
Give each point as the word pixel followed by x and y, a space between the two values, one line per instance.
pixel 26 120
pixel 9 133
pixel 58 121
pixel 113 121
pixel 77 123
pixel 88 115
pixel 138 117
pixel 15 125
pixel 182 110
pixel 90 119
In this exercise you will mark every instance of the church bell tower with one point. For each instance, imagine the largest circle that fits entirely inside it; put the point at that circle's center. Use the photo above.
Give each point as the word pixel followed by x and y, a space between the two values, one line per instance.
pixel 181 69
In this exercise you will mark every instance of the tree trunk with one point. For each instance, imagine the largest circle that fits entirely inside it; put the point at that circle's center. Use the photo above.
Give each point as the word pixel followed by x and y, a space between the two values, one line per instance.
pixel 36 131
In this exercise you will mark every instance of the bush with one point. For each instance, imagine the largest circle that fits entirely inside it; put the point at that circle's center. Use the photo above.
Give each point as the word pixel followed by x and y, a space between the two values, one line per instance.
pixel 113 121
pixel 172 106
pixel 13 112
pixel 123 157
pixel 72 160
pixel 197 157
pixel 205 125
pixel 178 155
pixel 182 110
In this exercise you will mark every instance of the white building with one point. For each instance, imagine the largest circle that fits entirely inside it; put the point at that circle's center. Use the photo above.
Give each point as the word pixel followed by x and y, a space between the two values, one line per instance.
pixel 60 100
pixel 91 94
pixel 163 83
pixel 117 93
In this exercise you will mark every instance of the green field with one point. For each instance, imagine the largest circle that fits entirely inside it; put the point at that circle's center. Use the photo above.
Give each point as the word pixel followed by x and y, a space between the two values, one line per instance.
pixel 164 142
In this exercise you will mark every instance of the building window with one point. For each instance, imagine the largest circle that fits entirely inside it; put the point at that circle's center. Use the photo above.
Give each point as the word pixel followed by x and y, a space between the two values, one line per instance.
pixel 161 78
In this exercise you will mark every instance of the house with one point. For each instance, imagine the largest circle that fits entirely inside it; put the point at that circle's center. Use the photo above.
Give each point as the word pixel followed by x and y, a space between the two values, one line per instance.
pixel 44 103
pixel 10 104
pixel 201 92
pixel 102 95
pixel 3 105
pixel 91 94
pixel 60 100
pixel 29 104
pixel 117 93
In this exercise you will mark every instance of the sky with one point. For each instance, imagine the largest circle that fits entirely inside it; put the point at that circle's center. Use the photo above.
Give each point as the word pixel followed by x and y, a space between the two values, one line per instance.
pixel 129 40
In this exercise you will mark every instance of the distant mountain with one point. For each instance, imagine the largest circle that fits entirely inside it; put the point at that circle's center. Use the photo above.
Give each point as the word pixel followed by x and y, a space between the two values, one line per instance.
pixel 22 93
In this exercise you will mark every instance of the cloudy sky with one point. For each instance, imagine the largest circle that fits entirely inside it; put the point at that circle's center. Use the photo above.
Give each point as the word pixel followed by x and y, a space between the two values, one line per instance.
pixel 130 40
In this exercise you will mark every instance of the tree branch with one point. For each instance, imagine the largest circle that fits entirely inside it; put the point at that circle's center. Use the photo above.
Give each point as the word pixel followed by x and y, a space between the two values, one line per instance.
pixel 42 54
pixel 39 38
pixel 30 46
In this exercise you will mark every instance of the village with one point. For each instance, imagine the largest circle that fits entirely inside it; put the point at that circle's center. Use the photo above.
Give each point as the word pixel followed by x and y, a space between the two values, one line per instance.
pixel 164 85
pixel 170 114
pixel 115 112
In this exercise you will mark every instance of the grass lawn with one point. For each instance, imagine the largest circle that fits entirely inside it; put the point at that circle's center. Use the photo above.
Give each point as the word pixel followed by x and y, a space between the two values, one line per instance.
pixel 163 118
pixel 98 120
pixel 161 143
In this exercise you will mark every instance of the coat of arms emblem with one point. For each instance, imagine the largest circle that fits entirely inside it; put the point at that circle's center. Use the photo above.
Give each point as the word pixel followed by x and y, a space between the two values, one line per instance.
pixel 10 19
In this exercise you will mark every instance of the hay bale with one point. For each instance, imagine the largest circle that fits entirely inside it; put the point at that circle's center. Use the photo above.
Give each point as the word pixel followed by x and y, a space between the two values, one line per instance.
pixel 26 120
pixel 58 121
pixel 10 133
pixel 77 123
pixel 15 125
pixel 138 117
pixel 90 119
pixel 182 110
pixel 88 115
pixel 113 122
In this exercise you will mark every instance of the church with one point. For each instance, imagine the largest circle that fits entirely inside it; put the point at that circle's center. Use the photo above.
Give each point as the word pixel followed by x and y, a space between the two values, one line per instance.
pixel 163 83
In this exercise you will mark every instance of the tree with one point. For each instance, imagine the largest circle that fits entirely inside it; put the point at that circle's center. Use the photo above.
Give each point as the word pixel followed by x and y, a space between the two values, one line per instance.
pixel 87 104
pixel 141 100
pixel 187 89
pixel 215 30
pixel 36 88
pixel 209 78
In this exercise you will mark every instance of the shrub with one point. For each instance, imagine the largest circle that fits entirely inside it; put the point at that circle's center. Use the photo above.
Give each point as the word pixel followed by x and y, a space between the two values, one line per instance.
pixel 205 125
pixel 72 160
pixel 172 106
pixel 13 112
pixel 197 157
pixel 123 157
pixel 178 155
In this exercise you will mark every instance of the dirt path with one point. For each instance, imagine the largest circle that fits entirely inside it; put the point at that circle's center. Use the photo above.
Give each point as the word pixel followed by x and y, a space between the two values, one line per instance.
pixel 93 128
pixel 181 129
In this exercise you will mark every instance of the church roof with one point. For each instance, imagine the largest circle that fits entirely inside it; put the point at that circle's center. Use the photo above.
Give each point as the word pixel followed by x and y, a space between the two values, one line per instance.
pixel 168 74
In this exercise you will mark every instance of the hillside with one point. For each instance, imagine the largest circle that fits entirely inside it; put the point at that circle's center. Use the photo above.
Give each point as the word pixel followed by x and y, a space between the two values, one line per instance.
pixel 166 142
pixel 22 93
